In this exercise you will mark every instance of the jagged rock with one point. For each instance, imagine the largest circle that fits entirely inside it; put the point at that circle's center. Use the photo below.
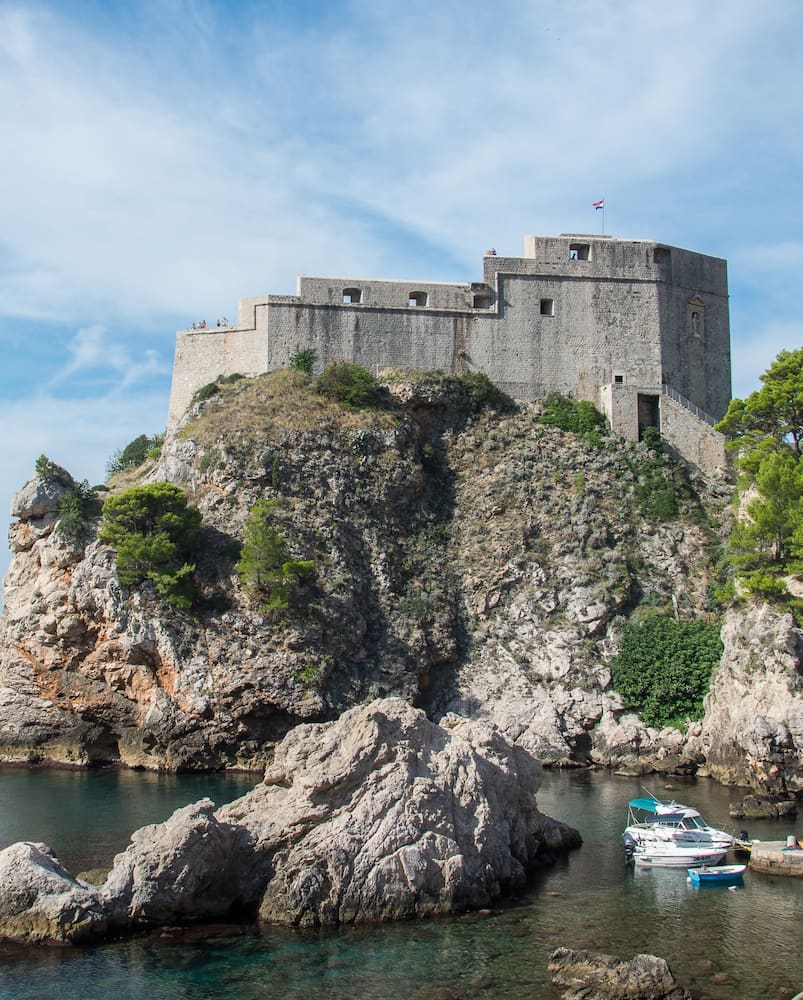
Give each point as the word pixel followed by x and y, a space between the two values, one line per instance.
pixel 187 868
pixel 391 816
pixel 40 495
pixel 590 975
pixel 760 807
pixel 41 902
pixel 752 733
pixel 377 816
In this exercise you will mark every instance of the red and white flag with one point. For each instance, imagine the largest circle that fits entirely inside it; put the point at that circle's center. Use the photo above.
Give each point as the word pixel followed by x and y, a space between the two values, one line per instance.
pixel 599 204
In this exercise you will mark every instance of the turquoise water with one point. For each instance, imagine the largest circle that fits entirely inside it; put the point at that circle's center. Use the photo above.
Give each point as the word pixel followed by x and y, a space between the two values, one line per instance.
pixel 723 945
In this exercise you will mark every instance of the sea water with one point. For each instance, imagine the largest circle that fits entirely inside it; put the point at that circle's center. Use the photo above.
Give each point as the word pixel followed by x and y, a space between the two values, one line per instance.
pixel 741 944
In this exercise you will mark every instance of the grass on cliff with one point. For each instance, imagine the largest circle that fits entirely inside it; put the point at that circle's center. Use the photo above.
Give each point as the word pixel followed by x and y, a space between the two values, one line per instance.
pixel 278 402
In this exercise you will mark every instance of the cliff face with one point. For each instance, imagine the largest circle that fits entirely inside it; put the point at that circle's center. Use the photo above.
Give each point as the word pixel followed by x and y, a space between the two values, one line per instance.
pixel 467 559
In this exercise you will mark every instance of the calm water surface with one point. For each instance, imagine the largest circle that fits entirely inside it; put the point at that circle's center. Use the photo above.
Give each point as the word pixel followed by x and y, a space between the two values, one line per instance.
pixel 745 944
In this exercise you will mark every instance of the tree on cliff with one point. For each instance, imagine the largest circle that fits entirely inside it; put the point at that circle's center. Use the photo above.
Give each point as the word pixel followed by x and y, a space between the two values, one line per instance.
pixel 766 430
pixel 264 567
pixel 771 417
pixel 156 534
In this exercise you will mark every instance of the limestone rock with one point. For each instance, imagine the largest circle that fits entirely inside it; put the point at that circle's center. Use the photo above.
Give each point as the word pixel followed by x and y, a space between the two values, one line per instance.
pixel 41 902
pixel 752 733
pixel 187 868
pixel 377 816
pixel 40 495
pixel 590 975
pixel 761 807
pixel 383 815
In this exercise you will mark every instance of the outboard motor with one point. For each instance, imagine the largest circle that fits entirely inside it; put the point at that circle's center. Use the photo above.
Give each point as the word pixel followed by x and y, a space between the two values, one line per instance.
pixel 744 835
pixel 630 848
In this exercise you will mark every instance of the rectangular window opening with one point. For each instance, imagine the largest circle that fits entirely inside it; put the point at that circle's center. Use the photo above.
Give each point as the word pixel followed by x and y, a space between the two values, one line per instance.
pixel 579 251
pixel 547 307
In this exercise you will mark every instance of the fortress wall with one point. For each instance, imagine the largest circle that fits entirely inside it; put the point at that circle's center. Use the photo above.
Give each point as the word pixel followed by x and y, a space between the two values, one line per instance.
pixel 692 438
pixel 598 329
pixel 537 324
pixel 375 338
pixel 384 293
pixel 202 355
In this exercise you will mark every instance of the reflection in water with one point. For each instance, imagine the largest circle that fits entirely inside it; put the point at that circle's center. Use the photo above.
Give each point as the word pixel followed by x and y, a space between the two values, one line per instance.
pixel 723 945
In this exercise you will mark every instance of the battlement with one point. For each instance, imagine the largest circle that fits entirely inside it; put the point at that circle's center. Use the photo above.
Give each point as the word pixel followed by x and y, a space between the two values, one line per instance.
pixel 576 314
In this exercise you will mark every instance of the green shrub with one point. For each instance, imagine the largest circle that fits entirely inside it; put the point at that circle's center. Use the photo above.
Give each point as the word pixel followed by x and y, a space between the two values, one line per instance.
pixel 354 387
pixel 155 534
pixel 135 453
pixel 78 505
pixel 206 392
pixel 303 359
pixel 264 568
pixel 578 416
pixel 664 668
pixel 481 390
pixel 48 470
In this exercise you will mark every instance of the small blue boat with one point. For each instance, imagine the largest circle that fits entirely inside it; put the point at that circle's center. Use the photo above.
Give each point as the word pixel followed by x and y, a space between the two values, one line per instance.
pixel 717 875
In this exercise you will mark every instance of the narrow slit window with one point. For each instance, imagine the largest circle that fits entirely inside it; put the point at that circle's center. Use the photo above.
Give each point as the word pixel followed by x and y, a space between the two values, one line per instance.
pixel 547 307
pixel 417 299
pixel 351 296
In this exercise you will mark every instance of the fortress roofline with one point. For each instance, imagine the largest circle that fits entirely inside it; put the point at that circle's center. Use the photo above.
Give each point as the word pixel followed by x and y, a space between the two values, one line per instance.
pixel 376 281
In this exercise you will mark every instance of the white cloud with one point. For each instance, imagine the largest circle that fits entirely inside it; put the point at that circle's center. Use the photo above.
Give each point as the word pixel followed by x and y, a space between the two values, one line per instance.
pixel 92 350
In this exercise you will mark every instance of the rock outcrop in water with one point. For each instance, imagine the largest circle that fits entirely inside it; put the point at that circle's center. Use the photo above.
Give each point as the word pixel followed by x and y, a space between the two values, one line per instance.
pixel 590 975
pixel 381 815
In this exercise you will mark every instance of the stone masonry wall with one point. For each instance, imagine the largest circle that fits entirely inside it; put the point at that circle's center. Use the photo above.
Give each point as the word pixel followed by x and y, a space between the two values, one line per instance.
pixel 625 310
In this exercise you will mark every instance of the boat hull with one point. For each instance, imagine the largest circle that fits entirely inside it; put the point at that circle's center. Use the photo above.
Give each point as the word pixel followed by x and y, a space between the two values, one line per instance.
pixel 677 859
pixel 718 875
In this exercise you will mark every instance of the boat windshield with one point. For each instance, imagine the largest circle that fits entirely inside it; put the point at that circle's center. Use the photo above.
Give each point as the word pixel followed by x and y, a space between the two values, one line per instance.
pixel 694 823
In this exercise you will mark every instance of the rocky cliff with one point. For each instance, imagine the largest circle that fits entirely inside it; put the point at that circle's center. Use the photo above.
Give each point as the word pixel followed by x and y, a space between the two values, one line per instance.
pixel 467 557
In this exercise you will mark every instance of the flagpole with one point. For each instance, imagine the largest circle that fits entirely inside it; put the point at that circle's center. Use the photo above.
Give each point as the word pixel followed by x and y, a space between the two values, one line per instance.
pixel 603 216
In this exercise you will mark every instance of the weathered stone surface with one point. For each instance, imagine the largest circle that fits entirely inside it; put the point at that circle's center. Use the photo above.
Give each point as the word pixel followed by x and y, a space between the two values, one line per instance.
pixel 41 902
pixel 590 975
pixel 391 816
pixel 187 868
pixel 40 495
pixel 753 728
pixel 377 816
pixel 761 807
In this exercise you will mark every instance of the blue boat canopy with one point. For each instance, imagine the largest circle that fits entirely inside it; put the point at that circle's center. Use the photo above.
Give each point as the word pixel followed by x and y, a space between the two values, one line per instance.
pixel 648 805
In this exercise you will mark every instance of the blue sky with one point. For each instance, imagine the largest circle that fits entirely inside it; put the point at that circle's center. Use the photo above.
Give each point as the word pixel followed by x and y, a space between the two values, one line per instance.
pixel 161 160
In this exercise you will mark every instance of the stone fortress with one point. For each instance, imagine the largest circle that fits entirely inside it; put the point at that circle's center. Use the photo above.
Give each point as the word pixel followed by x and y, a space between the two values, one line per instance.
pixel 639 328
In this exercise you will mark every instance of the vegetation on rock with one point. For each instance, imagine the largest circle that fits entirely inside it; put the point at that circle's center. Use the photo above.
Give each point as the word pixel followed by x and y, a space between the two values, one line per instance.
pixel 264 567
pixel 156 535
pixel 354 387
pixel 664 668
pixel 135 453
pixel 578 416
pixel 766 430
pixel 78 506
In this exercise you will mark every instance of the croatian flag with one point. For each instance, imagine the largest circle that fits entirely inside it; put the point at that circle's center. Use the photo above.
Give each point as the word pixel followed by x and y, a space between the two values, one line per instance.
pixel 598 204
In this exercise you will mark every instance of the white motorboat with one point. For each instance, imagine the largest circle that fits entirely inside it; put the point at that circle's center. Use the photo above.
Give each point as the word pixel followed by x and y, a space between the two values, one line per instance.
pixel 667 820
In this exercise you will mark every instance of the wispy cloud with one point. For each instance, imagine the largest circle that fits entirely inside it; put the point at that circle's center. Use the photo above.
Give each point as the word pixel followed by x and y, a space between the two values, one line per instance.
pixel 93 351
